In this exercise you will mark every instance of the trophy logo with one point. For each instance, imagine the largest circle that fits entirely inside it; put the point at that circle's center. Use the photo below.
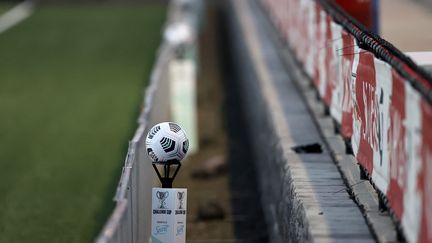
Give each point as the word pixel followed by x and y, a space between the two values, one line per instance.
pixel 162 196
pixel 180 196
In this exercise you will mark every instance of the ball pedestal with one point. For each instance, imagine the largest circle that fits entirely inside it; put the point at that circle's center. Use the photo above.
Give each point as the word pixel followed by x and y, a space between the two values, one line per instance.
pixel 166 180
pixel 169 206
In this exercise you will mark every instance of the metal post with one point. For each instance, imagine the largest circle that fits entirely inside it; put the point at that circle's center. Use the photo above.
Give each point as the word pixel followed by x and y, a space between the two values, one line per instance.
pixel 166 180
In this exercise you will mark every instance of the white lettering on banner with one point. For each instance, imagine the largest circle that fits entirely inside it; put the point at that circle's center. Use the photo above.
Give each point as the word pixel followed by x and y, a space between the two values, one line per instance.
pixel 347 66
pixel 412 197
pixel 337 93
pixel 310 58
pixel 302 44
pixel 370 112
pixel 383 92
pixel 397 155
pixel 355 139
pixel 321 58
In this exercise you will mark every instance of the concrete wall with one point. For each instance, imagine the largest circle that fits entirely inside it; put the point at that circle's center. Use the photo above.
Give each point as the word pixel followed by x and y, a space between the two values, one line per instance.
pixel 277 193
pixel 297 190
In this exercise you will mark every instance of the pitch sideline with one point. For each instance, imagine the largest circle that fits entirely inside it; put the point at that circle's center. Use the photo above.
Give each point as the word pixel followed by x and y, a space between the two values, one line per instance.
pixel 16 15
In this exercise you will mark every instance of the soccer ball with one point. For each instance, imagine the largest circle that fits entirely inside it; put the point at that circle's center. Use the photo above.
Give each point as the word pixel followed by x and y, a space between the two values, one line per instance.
pixel 166 141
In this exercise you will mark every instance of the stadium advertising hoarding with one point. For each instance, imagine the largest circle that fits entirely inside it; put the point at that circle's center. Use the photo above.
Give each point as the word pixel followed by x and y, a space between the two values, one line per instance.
pixel 379 99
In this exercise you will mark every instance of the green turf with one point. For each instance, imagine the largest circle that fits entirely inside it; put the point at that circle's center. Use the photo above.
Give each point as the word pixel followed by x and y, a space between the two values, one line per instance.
pixel 5 6
pixel 71 83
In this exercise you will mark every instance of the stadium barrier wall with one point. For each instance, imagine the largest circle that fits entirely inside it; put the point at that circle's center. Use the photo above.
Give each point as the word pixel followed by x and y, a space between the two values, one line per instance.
pixel 130 220
pixel 378 96
pixel 283 211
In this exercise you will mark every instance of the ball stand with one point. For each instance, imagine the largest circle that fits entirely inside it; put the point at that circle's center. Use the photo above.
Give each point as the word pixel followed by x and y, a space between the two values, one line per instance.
pixel 168 206
pixel 166 180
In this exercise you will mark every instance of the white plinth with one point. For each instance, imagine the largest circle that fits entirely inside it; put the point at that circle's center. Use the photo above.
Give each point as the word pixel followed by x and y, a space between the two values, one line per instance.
pixel 169 215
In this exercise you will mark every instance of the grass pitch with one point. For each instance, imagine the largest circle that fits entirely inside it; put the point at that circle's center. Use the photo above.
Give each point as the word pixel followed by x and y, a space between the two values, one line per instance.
pixel 5 6
pixel 71 83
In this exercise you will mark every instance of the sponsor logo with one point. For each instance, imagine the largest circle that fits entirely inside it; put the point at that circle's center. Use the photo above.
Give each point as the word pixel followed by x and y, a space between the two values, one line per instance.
pixel 180 230
pixel 161 229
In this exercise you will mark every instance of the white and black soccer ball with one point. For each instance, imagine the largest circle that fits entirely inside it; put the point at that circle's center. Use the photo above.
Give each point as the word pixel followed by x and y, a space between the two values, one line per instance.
pixel 166 141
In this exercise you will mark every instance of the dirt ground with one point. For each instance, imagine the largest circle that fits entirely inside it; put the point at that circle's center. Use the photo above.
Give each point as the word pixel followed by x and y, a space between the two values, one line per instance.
pixel 212 144
pixel 225 206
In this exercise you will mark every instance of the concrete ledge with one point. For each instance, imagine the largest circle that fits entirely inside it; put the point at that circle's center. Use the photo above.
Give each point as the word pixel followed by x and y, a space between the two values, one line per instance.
pixel 304 197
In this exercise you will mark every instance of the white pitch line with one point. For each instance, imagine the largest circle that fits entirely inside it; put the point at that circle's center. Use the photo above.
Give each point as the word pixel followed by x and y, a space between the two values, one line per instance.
pixel 17 14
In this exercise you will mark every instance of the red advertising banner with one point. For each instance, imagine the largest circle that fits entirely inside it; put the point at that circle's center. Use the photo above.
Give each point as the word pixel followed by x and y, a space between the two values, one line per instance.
pixel 381 112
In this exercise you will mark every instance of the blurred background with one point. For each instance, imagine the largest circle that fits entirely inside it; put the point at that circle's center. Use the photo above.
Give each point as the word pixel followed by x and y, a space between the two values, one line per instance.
pixel 72 75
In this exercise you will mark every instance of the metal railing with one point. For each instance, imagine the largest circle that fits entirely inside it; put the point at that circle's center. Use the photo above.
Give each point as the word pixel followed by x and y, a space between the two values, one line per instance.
pixel 131 218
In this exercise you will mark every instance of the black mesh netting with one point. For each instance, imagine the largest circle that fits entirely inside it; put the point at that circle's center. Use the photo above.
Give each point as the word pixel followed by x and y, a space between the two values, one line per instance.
pixel 382 49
